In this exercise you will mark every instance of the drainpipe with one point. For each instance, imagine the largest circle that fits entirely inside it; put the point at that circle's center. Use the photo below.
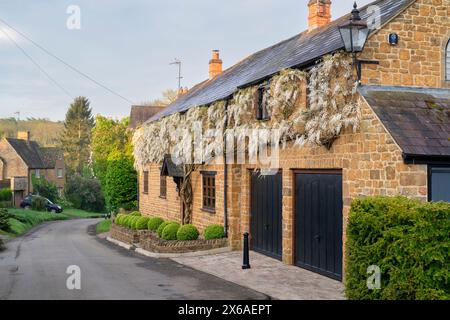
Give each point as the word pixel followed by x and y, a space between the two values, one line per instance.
pixel 225 174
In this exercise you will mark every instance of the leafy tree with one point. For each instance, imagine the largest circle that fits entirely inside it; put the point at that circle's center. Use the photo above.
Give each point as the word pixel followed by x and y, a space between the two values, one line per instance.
pixel 121 182
pixel 84 193
pixel 109 136
pixel 45 188
pixel 76 137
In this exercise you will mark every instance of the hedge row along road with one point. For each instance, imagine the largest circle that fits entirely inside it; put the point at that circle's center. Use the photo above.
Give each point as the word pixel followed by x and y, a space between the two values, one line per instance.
pixel 34 267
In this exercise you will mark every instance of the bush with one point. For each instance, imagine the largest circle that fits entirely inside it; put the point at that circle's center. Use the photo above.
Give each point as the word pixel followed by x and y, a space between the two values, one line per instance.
pixel 162 226
pixel 38 203
pixel 136 214
pixel 407 239
pixel 84 193
pixel 126 221
pixel 120 182
pixel 133 222
pixel 170 231
pixel 214 232
pixel 119 219
pixel 4 219
pixel 5 195
pixel 45 188
pixel 154 223
pixel 187 232
pixel 141 223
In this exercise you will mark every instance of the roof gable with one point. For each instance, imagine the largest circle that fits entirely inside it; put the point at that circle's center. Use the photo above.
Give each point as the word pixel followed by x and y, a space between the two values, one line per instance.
pixel 140 114
pixel 29 151
pixel 297 51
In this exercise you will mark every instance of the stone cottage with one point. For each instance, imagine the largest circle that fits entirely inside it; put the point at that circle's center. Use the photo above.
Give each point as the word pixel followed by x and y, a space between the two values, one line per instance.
pixel 344 127
pixel 22 158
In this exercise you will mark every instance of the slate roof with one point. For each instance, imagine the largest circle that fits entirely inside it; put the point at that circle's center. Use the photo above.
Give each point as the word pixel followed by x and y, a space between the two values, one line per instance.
pixel 30 152
pixel 298 51
pixel 170 169
pixel 51 155
pixel 417 118
pixel 140 114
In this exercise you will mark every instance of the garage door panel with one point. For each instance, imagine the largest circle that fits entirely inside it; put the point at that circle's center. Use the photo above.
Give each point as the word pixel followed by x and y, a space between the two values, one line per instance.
pixel 318 206
pixel 266 212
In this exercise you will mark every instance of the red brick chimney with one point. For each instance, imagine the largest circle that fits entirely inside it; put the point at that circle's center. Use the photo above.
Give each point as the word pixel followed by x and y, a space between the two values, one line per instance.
pixel 319 13
pixel 23 135
pixel 215 64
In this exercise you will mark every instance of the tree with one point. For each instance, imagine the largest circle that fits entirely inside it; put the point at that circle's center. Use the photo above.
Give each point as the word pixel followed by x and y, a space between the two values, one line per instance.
pixel 84 193
pixel 109 136
pixel 45 188
pixel 168 97
pixel 76 137
pixel 121 182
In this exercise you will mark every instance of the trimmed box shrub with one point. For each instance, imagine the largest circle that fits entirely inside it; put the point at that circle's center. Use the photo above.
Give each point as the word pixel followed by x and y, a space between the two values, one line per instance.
pixel 214 232
pixel 407 239
pixel 136 214
pixel 133 221
pixel 141 223
pixel 162 226
pixel 154 223
pixel 119 219
pixel 187 232
pixel 170 231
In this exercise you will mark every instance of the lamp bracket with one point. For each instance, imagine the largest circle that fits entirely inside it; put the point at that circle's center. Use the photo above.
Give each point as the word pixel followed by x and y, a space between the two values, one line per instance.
pixel 359 64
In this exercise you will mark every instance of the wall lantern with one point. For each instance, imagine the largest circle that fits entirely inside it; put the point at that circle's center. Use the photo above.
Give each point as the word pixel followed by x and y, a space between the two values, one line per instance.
pixel 354 34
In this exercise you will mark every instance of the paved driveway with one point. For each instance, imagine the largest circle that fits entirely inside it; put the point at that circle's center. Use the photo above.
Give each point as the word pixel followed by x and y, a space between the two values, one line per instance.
pixel 270 276
pixel 34 267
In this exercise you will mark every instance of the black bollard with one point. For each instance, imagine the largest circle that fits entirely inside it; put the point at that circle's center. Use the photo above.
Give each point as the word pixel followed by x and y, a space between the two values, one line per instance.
pixel 246 263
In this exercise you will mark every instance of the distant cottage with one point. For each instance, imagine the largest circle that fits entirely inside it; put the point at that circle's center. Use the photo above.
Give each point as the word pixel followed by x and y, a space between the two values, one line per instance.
pixel 340 139
pixel 22 158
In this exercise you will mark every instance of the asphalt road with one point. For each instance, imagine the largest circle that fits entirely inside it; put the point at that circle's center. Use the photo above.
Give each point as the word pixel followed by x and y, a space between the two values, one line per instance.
pixel 34 267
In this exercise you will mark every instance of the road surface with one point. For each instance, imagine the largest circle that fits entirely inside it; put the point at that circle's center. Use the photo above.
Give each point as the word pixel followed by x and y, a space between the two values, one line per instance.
pixel 34 267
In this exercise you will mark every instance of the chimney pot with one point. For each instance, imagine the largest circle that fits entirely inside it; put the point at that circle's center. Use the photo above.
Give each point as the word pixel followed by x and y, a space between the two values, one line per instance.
pixel 23 135
pixel 215 65
pixel 319 13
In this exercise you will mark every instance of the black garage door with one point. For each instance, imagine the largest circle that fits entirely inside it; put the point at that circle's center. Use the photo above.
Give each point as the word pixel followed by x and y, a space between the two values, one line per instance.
pixel 318 207
pixel 266 208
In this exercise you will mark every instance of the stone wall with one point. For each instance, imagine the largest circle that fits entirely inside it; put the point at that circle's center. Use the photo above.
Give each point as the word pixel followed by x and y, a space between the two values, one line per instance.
pixel 14 166
pixel 149 241
pixel 417 60
pixel 125 235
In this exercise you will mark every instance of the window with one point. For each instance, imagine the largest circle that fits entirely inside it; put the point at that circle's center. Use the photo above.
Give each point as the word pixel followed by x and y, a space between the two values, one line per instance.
pixel 38 173
pixel 261 103
pixel 439 184
pixel 447 62
pixel 59 173
pixel 209 191
pixel 145 182
pixel 163 187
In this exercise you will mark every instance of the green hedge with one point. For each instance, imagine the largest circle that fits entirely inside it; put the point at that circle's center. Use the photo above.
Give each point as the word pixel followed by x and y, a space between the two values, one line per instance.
pixel 408 240
pixel 4 219
pixel 5 195
pixel 187 232
pixel 214 232
pixel 141 223
pixel 170 231
pixel 154 223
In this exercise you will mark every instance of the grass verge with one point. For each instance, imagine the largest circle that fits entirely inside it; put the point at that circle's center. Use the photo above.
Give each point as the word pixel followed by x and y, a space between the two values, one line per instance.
pixel 103 226
pixel 76 213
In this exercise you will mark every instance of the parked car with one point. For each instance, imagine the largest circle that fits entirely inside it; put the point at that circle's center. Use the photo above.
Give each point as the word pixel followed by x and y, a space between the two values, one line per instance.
pixel 49 206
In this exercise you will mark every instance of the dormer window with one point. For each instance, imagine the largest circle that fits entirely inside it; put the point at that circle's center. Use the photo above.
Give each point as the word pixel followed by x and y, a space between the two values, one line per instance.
pixel 261 103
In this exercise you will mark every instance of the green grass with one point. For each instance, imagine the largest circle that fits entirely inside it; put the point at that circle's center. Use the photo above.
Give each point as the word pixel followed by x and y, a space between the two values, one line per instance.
pixel 103 226
pixel 23 220
pixel 76 213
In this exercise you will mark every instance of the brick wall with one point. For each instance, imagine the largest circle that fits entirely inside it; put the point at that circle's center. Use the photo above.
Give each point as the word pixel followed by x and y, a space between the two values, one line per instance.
pixel 14 166
pixel 417 60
